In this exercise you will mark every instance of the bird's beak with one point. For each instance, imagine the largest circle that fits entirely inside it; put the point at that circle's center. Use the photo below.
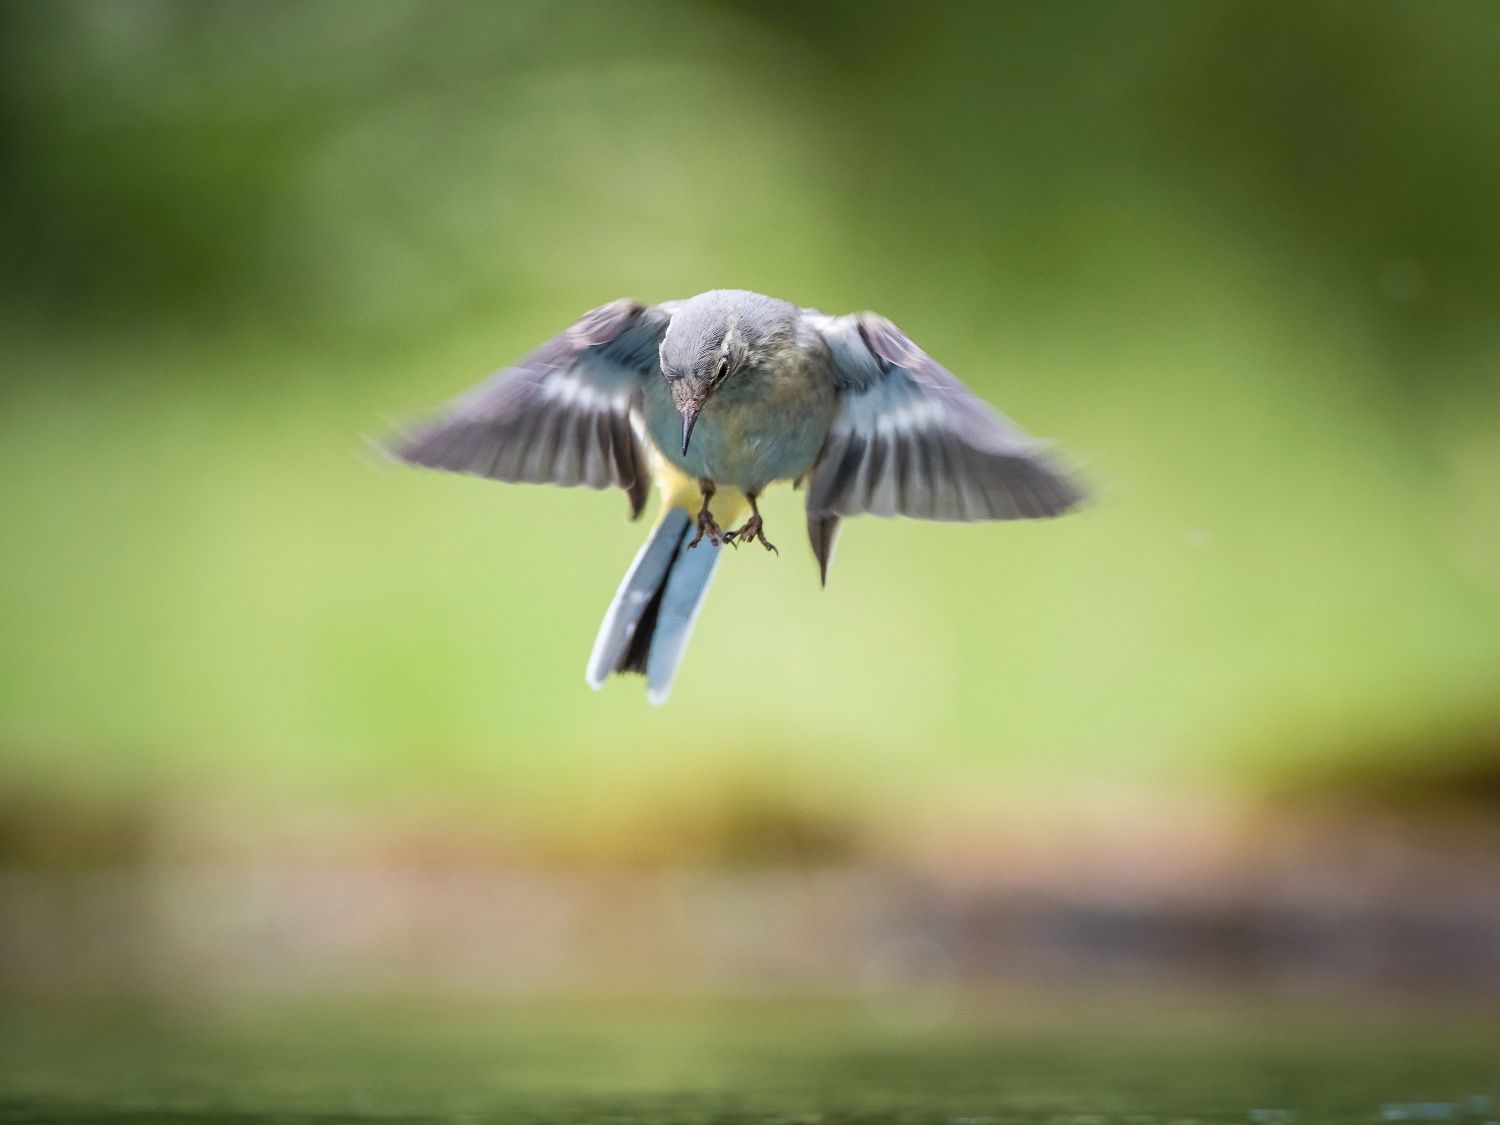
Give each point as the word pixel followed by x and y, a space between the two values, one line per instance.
pixel 689 411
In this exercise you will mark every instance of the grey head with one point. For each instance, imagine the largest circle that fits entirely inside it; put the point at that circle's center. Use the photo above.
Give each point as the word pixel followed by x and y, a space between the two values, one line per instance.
pixel 716 336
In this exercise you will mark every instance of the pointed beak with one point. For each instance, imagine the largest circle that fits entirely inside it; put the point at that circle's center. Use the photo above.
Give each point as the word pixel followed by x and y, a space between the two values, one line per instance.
pixel 689 411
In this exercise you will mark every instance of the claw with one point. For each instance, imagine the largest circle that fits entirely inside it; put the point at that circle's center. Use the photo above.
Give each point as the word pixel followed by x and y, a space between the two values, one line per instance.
pixel 753 530
pixel 709 526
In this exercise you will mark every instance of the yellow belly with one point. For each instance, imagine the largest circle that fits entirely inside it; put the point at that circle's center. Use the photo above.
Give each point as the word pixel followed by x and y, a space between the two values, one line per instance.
pixel 678 490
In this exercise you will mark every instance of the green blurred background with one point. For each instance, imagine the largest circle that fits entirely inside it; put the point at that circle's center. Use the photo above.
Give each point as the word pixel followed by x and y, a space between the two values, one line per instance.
pixel 1241 260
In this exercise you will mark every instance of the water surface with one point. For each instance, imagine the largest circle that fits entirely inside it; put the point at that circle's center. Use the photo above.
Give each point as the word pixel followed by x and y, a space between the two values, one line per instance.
pixel 1068 1063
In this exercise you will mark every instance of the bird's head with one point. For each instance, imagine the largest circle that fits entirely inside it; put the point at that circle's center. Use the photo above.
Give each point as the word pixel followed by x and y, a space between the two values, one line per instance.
pixel 711 339
pixel 697 365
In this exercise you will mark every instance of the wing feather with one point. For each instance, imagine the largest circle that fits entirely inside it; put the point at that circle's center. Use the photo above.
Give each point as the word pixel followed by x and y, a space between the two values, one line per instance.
pixel 912 440
pixel 561 415
pixel 874 474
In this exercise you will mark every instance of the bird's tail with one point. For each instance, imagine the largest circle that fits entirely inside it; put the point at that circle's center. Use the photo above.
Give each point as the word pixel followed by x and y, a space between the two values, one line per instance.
pixel 647 626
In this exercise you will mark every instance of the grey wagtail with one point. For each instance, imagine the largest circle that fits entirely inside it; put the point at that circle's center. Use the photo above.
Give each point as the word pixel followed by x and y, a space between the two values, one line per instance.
pixel 715 398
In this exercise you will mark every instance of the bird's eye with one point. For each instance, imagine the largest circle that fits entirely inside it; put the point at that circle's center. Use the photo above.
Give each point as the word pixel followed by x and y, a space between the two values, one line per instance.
pixel 723 368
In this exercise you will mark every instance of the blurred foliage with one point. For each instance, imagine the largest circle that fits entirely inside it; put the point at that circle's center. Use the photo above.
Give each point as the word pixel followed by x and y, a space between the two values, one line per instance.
pixel 161 152
pixel 1241 258
pixel 1446 769
pixel 44 830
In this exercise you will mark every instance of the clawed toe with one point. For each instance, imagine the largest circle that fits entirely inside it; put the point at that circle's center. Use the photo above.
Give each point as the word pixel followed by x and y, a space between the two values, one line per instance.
pixel 709 526
pixel 752 531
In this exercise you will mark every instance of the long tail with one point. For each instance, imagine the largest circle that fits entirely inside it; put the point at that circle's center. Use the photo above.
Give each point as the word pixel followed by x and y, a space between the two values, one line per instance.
pixel 647 626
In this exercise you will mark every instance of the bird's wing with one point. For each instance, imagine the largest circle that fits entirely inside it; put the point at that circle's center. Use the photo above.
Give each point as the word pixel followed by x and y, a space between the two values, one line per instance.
pixel 911 440
pixel 562 414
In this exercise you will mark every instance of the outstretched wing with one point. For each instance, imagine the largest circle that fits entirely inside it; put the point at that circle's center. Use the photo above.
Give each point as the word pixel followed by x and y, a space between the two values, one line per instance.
pixel 911 440
pixel 561 415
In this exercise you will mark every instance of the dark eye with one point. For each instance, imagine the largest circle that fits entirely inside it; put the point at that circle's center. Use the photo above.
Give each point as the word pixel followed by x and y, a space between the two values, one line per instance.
pixel 723 368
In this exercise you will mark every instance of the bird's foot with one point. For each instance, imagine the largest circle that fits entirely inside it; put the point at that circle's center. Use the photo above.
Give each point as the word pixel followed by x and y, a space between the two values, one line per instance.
pixel 752 531
pixel 709 526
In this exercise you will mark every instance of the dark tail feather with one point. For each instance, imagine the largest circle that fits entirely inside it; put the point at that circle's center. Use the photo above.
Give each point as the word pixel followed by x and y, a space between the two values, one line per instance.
pixel 647 626
pixel 638 652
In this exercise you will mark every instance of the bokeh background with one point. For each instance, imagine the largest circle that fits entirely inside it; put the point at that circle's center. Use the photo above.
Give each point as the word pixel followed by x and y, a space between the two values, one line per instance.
pixel 276 715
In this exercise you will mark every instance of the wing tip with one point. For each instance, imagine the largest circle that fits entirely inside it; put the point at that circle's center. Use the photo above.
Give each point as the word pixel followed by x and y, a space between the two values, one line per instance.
pixel 1066 491
pixel 823 534
pixel 638 492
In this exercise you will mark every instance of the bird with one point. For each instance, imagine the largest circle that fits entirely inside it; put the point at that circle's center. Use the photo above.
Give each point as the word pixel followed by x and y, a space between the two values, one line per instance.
pixel 714 398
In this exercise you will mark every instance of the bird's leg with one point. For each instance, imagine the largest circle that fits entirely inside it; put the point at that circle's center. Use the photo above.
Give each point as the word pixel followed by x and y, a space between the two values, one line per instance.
pixel 707 525
pixel 752 528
